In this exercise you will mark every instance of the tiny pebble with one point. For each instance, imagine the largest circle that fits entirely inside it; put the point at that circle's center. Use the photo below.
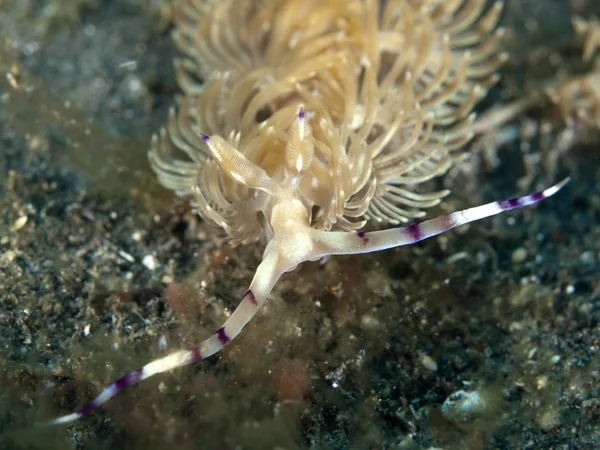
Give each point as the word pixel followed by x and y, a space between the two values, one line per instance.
pixel 549 420
pixel 8 256
pixel 126 256
pixel 150 262
pixel 162 343
pixel 541 382
pixel 519 255
pixel 463 407
pixel 569 289
pixel 370 323
pixel 429 363
pixel 19 223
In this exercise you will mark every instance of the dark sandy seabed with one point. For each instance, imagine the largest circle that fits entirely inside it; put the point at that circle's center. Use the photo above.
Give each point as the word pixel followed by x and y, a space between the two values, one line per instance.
pixel 102 270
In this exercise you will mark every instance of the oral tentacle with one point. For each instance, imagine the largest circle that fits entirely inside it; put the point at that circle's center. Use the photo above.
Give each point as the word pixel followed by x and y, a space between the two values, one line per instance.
pixel 337 243
pixel 267 274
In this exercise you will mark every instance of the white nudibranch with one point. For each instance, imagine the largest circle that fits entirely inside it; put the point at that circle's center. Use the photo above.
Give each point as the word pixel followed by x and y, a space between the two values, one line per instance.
pixel 319 116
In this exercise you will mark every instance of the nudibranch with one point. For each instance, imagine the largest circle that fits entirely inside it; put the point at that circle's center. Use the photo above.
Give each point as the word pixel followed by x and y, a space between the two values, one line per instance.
pixel 313 118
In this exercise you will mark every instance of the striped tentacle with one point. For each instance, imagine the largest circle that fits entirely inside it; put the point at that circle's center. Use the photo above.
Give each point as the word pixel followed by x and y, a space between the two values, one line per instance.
pixel 352 243
pixel 267 274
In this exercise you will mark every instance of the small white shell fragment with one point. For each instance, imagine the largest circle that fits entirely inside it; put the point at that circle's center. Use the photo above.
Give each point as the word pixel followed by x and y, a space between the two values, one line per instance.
pixel 429 363
pixel 463 407
pixel 19 223
pixel 150 262
pixel 369 322
pixel 519 255
pixel 8 256
pixel 162 343
pixel 569 289
pixel 549 420
pixel 126 256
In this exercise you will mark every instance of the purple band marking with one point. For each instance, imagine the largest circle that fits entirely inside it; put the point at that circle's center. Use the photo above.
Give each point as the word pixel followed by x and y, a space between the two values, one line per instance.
pixel 538 196
pixel 414 231
pixel 222 336
pixel 204 137
pixel 87 408
pixel 128 380
pixel 301 114
pixel 510 204
pixel 250 296
pixel 196 354
pixel 361 234
pixel 449 221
